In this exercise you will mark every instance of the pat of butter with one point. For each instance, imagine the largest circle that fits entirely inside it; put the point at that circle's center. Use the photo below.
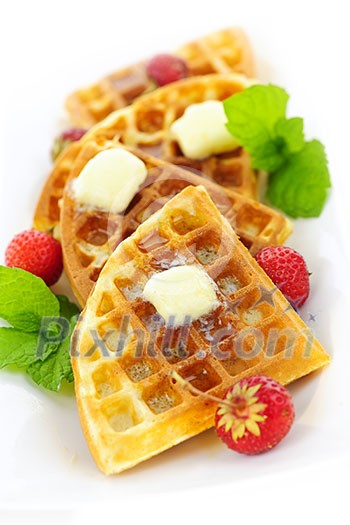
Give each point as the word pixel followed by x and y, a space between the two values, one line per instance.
pixel 202 132
pixel 181 294
pixel 110 180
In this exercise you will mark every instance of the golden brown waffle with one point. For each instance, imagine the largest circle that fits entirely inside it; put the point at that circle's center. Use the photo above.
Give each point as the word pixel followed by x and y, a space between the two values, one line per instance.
pixel 48 208
pixel 89 235
pixel 123 354
pixel 145 125
pixel 224 51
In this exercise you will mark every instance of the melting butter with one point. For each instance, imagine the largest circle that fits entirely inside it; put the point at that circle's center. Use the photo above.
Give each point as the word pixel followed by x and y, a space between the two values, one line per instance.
pixel 201 131
pixel 110 180
pixel 181 294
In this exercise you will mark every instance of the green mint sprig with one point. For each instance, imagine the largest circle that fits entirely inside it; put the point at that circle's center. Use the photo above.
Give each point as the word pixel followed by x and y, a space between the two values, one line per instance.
pixel 299 177
pixel 38 338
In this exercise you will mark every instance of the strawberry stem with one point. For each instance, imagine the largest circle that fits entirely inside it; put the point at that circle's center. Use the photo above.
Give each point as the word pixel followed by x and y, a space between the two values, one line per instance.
pixel 188 386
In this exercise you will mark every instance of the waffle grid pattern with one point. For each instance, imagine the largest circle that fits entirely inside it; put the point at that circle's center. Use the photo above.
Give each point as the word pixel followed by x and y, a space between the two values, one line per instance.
pixel 130 408
pixel 89 236
pixel 145 125
pixel 220 52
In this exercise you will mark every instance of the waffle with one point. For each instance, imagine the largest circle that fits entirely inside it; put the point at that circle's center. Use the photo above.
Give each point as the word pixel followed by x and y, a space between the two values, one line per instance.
pixel 123 355
pixel 89 236
pixel 47 211
pixel 224 51
pixel 145 125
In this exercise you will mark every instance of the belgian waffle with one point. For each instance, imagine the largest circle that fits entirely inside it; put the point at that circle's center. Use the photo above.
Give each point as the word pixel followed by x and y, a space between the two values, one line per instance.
pixel 89 235
pixel 47 211
pixel 123 355
pixel 145 125
pixel 224 51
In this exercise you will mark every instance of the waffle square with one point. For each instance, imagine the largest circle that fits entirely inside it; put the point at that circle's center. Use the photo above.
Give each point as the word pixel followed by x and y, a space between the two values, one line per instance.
pixel 123 354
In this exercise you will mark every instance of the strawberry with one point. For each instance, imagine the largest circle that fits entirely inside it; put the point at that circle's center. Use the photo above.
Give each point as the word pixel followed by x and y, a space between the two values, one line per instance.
pixel 288 270
pixel 36 252
pixel 64 139
pixel 255 415
pixel 164 69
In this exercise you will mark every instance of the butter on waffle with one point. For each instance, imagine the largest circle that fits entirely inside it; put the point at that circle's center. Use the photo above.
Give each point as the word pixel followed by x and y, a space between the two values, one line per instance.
pixel 89 235
pixel 224 51
pixel 122 355
pixel 145 124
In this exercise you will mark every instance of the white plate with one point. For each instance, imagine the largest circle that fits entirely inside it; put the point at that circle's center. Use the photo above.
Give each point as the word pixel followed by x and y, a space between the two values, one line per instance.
pixel 42 451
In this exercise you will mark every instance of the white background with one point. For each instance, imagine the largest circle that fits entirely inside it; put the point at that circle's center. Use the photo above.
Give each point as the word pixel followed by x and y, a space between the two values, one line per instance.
pixel 47 50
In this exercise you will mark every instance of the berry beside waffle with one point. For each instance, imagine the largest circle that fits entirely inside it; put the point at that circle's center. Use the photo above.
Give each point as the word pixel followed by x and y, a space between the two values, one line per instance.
pixel 224 51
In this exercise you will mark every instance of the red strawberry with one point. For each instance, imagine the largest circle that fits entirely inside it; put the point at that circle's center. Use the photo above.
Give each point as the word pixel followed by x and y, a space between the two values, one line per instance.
pixel 38 253
pixel 288 270
pixel 255 416
pixel 64 139
pixel 164 69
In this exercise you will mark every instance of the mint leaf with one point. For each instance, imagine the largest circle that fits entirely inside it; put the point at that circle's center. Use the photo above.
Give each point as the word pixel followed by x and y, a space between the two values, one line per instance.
pixel 269 156
pixel 252 119
pixel 56 367
pixel 25 299
pixel 290 131
pixel 23 348
pixel 253 113
pixel 299 176
pixel 39 339
pixel 53 331
pixel 300 187
pixel 17 348
pixel 67 308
